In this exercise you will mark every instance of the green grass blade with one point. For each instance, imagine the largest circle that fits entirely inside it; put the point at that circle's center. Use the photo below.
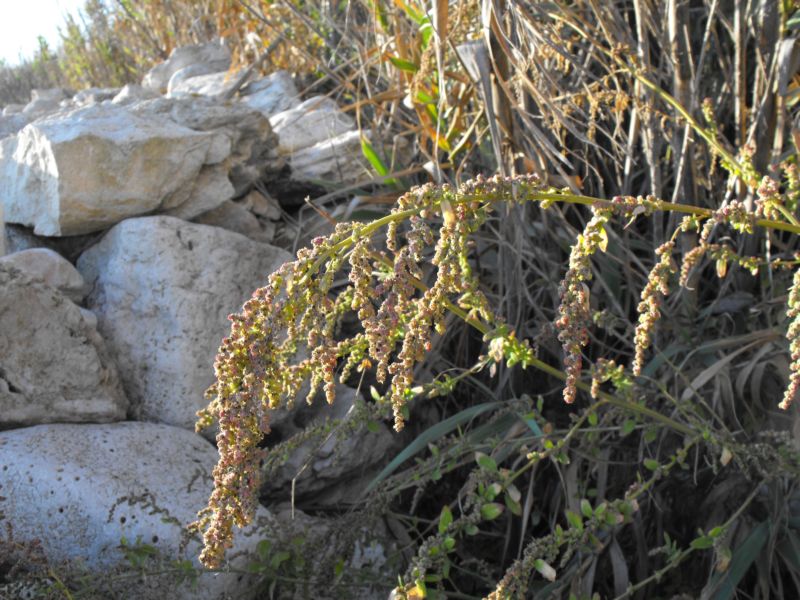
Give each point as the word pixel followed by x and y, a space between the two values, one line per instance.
pixel 724 584
pixel 430 435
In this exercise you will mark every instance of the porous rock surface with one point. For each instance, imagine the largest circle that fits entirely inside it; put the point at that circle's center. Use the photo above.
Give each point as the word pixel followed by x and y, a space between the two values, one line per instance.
pixel 162 289
pixel 87 169
pixel 54 366
pixel 82 489
pixel 47 266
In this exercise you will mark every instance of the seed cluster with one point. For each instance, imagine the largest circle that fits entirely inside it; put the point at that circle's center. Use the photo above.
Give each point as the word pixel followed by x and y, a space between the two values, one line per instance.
pixel 287 333
pixel 574 315
pixel 793 335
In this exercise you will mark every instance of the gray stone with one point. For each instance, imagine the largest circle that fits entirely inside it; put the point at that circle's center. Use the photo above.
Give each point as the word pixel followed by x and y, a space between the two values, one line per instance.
pixel 19 238
pixel 162 290
pixel 217 57
pixel 49 267
pixel 133 93
pixel 335 466
pixel 233 217
pixel 316 120
pixel 82 489
pixel 261 205
pixel 11 124
pixel 241 134
pixel 94 95
pixel 337 160
pixel 53 364
pixel 271 94
pixel 12 109
pixel 199 81
pixel 44 101
pixel 85 170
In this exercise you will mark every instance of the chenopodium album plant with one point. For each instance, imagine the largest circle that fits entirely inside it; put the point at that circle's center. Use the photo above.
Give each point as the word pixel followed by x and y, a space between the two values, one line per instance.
pixel 287 332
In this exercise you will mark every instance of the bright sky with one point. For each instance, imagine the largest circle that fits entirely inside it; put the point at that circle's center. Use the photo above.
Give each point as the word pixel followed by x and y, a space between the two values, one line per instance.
pixel 22 21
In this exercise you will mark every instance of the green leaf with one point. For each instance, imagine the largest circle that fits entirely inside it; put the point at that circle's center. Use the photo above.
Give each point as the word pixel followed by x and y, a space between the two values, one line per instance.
pixel 702 543
pixel 445 518
pixel 586 508
pixel 627 427
pixel 279 559
pixel 491 511
pixel 514 506
pixel 263 548
pixel 449 543
pixel 651 464
pixel 593 419
pixel 486 463
pixel 369 153
pixel 373 427
pixel 403 65
pixel 574 520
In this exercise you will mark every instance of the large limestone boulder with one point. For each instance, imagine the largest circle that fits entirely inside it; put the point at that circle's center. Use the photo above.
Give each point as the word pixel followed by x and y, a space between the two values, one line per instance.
pixel 162 290
pixel 241 134
pixel 215 57
pixel 46 266
pixel 85 170
pixel 271 94
pixel 316 120
pixel 83 489
pixel 53 364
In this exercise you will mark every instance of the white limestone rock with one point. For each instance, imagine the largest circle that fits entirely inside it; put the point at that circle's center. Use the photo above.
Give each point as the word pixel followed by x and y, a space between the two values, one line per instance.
pixel 316 120
pixel 242 135
pixel 271 94
pixel 81 489
pixel 194 81
pixel 162 289
pixel 216 57
pixel 337 160
pixel 234 217
pixel 49 267
pixel 133 93
pixel 53 364
pixel 85 170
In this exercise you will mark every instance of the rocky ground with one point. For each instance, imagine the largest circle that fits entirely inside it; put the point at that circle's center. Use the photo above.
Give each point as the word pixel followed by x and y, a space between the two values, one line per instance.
pixel 136 220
